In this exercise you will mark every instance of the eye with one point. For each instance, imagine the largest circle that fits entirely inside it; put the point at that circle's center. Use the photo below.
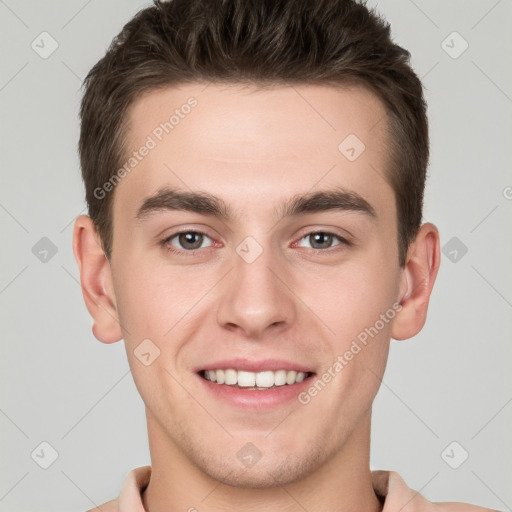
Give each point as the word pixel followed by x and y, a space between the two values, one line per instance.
pixel 322 240
pixel 188 241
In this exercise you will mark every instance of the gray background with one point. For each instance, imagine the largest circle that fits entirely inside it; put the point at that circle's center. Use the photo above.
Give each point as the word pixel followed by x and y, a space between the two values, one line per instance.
pixel 452 382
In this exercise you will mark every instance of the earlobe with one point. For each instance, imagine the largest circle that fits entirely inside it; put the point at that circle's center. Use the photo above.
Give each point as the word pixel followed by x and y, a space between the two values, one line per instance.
pixel 96 281
pixel 418 277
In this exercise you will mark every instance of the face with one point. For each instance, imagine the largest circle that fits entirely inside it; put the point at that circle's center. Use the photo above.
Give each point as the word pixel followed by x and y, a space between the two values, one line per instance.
pixel 283 266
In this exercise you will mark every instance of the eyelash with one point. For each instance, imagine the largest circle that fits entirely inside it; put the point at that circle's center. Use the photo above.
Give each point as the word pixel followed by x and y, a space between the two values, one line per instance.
pixel 182 252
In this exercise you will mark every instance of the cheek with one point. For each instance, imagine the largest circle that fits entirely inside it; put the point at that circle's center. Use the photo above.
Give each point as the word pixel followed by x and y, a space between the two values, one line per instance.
pixel 351 298
pixel 154 304
pixel 360 312
pixel 152 298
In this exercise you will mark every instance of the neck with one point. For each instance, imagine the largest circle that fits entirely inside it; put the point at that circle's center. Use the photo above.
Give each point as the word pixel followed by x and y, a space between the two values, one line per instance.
pixel 343 483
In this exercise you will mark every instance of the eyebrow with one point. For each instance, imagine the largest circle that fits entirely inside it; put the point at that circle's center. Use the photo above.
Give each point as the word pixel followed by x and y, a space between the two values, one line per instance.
pixel 207 204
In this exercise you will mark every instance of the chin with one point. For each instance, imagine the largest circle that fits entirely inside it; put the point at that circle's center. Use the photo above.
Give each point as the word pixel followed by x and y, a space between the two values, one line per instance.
pixel 270 471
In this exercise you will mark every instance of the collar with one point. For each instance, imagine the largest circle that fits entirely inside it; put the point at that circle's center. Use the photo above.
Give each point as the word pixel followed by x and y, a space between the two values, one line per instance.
pixel 388 486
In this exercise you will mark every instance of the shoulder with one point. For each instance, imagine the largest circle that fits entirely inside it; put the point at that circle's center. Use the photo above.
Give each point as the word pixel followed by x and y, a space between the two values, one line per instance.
pixel 391 488
pixel 109 506
pixel 129 499
pixel 452 506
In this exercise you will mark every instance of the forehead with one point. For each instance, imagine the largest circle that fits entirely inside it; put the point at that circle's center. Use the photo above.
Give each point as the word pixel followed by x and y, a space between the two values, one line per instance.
pixel 245 111
pixel 234 140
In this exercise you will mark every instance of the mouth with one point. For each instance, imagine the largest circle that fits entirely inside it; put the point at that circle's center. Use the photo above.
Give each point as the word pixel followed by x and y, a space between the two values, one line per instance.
pixel 255 381
pixel 255 385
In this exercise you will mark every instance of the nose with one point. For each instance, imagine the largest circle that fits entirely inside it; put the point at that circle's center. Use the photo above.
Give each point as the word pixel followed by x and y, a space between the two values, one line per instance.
pixel 255 297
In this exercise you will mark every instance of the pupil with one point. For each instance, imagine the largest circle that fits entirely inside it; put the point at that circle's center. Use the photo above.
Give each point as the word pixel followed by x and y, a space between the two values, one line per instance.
pixel 187 238
pixel 318 237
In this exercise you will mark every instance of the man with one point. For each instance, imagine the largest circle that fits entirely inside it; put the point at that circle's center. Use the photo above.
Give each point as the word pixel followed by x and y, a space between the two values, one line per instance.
pixel 254 172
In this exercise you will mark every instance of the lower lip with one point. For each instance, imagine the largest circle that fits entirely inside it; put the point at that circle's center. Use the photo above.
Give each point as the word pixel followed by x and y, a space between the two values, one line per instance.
pixel 255 399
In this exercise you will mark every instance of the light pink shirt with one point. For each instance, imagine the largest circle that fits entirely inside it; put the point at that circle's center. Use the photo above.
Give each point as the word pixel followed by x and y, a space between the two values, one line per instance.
pixel 388 485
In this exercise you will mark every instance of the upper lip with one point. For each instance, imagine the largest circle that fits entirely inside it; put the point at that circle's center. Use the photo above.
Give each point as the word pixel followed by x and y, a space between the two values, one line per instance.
pixel 255 366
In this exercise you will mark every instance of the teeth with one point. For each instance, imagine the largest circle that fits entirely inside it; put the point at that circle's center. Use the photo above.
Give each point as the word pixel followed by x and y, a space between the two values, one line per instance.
pixel 260 380
pixel 246 379
pixel 219 376
pixel 230 377
pixel 280 378
pixel 300 377
pixel 264 379
pixel 291 376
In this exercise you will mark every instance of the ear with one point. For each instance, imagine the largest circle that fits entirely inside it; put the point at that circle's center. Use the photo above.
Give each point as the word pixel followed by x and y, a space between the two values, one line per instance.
pixel 96 280
pixel 418 276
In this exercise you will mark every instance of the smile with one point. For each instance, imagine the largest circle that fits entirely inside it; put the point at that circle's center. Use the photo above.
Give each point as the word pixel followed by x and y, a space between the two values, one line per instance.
pixel 254 380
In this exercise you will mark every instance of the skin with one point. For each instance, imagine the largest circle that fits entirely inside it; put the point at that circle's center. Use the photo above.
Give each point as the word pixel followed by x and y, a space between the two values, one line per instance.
pixel 256 150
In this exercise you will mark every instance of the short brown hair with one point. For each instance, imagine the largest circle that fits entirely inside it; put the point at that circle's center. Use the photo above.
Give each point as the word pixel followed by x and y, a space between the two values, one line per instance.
pixel 332 42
